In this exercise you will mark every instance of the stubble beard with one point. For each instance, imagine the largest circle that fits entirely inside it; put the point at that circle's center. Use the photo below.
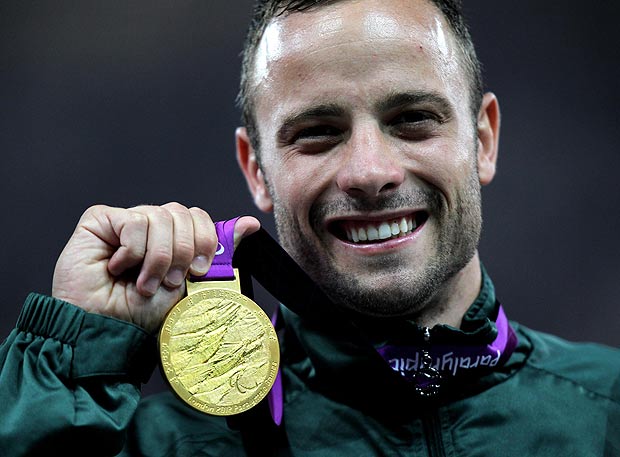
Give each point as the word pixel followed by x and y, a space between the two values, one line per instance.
pixel 411 292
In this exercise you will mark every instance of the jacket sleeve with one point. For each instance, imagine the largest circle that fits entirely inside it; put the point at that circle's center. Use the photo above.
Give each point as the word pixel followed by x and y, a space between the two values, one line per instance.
pixel 70 380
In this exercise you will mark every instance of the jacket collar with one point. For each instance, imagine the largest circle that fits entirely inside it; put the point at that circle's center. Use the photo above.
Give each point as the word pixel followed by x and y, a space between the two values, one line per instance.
pixel 342 361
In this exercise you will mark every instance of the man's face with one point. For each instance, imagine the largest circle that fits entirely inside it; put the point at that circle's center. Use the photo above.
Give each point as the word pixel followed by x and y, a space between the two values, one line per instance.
pixel 368 151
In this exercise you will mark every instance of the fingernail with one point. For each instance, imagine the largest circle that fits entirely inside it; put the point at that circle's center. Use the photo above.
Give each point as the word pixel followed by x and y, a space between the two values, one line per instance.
pixel 175 277
pixel 151 285
pixel 200 264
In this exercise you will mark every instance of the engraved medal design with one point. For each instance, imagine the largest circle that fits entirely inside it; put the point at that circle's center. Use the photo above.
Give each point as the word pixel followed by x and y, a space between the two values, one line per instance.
pixel 219 350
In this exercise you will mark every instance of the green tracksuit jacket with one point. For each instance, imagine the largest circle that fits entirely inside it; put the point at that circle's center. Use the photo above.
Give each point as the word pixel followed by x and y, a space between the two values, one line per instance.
pixel 70 385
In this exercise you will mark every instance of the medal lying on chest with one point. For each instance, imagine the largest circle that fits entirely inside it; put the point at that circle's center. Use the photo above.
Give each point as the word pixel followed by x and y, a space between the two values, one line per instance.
pixel 219 351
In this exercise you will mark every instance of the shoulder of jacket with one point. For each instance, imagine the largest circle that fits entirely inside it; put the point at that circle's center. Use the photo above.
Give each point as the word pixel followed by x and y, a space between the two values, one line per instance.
pixel 590 366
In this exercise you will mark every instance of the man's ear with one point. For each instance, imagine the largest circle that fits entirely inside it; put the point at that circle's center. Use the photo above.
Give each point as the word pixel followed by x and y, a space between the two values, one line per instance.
pixel 488 137
pixel 246 157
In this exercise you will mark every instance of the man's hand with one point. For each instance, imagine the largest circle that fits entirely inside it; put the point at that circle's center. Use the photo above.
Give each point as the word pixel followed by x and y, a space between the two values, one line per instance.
pixel 131 263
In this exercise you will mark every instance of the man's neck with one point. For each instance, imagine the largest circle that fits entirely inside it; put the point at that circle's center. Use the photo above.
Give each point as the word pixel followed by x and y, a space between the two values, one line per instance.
pixel 457 295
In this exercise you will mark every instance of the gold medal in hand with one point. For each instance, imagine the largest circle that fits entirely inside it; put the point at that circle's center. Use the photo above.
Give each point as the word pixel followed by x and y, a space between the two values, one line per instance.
pixel 219 350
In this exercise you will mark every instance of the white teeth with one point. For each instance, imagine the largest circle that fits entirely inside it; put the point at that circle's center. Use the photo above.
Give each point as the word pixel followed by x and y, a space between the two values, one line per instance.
pixel 373 233
pixel 403 225
pixel 385 230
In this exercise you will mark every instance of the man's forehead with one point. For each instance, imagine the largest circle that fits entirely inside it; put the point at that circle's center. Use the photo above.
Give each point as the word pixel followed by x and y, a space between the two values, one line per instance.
pixel 350 20
pixel 363 42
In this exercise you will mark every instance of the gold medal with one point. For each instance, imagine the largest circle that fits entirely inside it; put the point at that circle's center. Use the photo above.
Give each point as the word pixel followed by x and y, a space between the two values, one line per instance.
pixel 219 350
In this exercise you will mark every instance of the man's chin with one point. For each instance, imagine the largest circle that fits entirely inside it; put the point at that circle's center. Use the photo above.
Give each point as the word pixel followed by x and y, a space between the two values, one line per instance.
pixel 387 302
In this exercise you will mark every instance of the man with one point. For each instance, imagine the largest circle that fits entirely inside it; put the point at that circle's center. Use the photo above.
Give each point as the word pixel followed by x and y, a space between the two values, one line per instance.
pixel 368 136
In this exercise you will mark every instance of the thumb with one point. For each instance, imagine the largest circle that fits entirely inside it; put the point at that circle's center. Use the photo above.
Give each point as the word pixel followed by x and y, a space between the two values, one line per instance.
pixel 245 226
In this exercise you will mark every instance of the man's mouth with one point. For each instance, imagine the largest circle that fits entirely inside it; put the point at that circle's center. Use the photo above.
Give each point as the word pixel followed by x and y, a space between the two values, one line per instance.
pixel 376 231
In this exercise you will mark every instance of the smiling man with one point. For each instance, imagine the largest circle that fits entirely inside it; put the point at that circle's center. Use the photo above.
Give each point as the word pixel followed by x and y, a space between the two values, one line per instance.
pixel 368 136
pixel 372 147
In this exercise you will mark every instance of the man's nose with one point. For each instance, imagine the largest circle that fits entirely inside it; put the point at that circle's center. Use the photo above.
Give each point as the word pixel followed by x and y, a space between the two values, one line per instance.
pixel 369 164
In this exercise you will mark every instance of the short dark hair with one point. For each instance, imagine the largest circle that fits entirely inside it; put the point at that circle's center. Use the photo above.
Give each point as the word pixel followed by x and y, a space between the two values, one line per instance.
pixel 266 10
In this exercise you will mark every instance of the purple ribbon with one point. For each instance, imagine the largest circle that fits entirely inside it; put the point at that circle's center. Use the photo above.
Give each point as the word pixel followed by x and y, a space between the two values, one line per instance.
pixel 221 267
pixel 276 394
pixel 452 360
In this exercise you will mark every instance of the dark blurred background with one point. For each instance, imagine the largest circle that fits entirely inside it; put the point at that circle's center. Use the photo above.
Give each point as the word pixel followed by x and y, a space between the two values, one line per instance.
pixel 126 103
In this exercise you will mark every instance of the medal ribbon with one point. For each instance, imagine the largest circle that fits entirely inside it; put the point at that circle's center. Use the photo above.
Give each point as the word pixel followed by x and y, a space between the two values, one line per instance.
pixel 221 266
pixel 289 284
pixel 452 360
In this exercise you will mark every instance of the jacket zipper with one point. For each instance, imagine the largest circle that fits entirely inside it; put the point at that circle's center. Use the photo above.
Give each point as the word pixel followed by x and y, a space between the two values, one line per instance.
pixel 432 431
pixel 431 423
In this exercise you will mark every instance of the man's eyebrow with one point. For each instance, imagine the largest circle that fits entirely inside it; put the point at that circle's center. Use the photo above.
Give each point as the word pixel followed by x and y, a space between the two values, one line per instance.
pixel 318 111
pixel 399 99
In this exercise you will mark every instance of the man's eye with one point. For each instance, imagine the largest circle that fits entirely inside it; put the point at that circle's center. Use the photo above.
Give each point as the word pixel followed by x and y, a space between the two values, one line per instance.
pixel 415 125
pixel 413 117
pixel 317 131
pixel 317 139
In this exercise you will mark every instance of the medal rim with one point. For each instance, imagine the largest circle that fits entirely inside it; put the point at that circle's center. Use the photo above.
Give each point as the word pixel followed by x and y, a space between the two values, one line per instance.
pixel 169 372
